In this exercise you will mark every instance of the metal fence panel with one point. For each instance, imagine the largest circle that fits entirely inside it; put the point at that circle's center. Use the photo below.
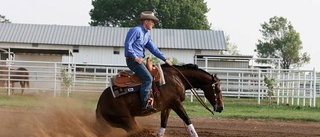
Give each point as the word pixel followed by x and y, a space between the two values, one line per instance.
pixel 291 86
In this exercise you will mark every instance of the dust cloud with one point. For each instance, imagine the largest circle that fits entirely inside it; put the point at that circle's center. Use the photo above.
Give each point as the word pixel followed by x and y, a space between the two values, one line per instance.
pixel 63 119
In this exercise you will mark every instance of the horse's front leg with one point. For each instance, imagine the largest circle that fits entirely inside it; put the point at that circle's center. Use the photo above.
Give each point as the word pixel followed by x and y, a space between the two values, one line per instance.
pixel 164 119
pixel 181 112
pixel 22 84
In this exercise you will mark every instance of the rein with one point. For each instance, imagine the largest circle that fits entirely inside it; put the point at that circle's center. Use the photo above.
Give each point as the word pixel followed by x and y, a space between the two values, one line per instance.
pixel 194 92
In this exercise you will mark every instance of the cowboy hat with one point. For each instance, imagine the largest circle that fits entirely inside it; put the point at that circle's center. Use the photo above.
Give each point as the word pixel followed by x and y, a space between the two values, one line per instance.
pixel 148 15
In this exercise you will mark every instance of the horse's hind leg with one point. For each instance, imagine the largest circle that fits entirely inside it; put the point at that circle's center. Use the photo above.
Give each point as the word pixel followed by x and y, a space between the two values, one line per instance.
pixel 22 84
pixel 121 120
pixel 127 123
pixel 101 127
pixel 181 112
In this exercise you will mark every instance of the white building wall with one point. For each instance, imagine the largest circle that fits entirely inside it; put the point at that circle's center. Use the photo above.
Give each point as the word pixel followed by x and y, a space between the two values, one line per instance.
pixel 61 47
pixel 186 56
pixel 98 55
pixel 105 55
pixel 38 57
pixel 209 52
pixel 28 45
pixel 35 57
pixel 14 45
pixel 183 56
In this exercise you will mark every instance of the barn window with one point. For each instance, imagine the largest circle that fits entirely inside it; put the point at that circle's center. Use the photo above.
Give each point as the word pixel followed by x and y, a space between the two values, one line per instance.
pixel 35 44
pixel 116 51
pixel 75 49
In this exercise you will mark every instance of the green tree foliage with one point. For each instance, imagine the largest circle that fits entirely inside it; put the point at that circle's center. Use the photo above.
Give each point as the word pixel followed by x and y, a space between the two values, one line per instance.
pixel 280 40
pixel 3 19
pixel 177 14
pixel 232 49
pixel 155 60
pixel 66 78
pixel 270 82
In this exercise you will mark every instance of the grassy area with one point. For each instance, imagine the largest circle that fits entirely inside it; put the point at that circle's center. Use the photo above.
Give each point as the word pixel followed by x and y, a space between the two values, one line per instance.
pixel 248 108
pixel 234 107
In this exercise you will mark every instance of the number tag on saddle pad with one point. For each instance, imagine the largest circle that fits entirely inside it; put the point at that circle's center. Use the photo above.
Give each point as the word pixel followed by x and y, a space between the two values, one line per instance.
pixel 119 91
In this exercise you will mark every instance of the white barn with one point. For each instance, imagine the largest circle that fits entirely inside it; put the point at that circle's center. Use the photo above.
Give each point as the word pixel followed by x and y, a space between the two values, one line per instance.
pixel 101 45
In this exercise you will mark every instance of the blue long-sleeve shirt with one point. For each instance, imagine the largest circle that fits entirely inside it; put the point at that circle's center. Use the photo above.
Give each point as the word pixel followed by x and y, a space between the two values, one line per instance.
pixel 137 40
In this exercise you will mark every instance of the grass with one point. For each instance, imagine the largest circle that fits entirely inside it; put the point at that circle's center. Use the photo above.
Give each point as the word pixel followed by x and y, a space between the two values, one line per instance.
pixel 234 107
pixel 248 108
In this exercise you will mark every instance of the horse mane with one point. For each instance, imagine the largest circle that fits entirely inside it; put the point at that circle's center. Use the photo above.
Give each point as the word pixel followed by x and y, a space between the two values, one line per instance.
pixel 187 66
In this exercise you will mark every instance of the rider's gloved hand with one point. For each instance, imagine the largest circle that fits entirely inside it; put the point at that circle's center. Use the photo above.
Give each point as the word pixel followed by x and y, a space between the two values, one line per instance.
pixel 168 62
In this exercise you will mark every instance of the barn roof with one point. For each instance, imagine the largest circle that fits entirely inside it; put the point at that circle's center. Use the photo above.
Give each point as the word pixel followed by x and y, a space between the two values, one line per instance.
pixel 108 36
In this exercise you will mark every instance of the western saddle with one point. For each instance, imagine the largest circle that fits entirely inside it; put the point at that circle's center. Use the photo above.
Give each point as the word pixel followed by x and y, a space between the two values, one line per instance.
pixel 124 79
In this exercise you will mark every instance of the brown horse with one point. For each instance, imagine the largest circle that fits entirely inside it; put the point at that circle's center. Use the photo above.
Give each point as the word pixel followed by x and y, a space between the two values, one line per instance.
pixel 20 75
pixel 121 111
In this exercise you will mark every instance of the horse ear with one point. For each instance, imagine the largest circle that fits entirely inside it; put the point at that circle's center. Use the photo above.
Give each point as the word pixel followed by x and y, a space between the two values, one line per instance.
pixel 216 77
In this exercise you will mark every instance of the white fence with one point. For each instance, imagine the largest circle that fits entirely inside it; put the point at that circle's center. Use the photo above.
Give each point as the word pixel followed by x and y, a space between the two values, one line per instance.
pixel 291 86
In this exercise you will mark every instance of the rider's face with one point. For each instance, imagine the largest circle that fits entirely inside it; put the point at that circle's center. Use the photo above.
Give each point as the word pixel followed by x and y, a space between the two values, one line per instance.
pixel 149 24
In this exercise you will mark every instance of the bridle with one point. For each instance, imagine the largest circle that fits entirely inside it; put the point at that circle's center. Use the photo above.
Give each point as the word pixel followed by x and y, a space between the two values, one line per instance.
pixel 194 92
pixel 217 88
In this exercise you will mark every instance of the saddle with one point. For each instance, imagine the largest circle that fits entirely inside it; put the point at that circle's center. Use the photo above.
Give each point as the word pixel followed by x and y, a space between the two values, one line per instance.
pixel 124 83
pixel 124 79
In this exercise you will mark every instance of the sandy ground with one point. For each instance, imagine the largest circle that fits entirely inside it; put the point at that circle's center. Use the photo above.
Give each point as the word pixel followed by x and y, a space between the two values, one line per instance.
pixel 53 121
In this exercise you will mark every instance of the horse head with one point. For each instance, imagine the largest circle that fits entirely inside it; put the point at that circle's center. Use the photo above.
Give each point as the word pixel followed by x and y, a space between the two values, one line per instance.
pixel 218 107
pixel 210 84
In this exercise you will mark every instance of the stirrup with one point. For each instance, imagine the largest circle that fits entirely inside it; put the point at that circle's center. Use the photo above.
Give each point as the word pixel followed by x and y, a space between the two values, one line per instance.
pixel 149 109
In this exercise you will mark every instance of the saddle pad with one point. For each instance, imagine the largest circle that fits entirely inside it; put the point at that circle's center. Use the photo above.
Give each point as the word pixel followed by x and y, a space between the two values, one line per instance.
pixel 162 81
pixel 119 91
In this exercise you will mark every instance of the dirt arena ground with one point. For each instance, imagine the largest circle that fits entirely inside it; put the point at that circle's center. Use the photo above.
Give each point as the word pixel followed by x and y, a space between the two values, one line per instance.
pixel 69 121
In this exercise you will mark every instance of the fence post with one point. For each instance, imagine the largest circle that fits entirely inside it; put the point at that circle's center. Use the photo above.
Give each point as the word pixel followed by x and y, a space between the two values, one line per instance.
pixel 55 80
pixel 259 86
pixel 191 97
pixel 278 86
pixel 314 87
pixel 304 89
pixel 239 84
pixel 298 91
pixel 9 80
pixel 74 78
pixel 293 88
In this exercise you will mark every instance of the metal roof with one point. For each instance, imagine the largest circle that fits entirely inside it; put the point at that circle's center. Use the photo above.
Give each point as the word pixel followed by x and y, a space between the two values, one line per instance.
pixel 109 36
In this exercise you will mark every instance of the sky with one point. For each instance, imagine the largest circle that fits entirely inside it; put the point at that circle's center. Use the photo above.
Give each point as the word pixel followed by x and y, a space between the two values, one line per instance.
pixel 240 19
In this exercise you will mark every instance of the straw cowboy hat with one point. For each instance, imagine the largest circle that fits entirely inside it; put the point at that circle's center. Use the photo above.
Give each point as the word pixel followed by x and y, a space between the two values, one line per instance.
pixel 148 15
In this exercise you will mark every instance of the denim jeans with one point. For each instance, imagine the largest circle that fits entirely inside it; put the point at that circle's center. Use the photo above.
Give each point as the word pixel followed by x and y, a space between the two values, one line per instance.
pixel 143 73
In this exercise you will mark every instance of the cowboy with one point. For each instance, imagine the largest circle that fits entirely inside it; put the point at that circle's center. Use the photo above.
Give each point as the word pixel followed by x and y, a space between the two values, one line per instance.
pixel 137 40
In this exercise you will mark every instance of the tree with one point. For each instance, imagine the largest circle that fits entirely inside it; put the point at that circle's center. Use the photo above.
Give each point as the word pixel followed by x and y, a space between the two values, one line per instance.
pixel 270 82
pixel 183 14
pixel 177 14
pixel 155 60
pixel 232 49
pixel 280 40
pixel 3 19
